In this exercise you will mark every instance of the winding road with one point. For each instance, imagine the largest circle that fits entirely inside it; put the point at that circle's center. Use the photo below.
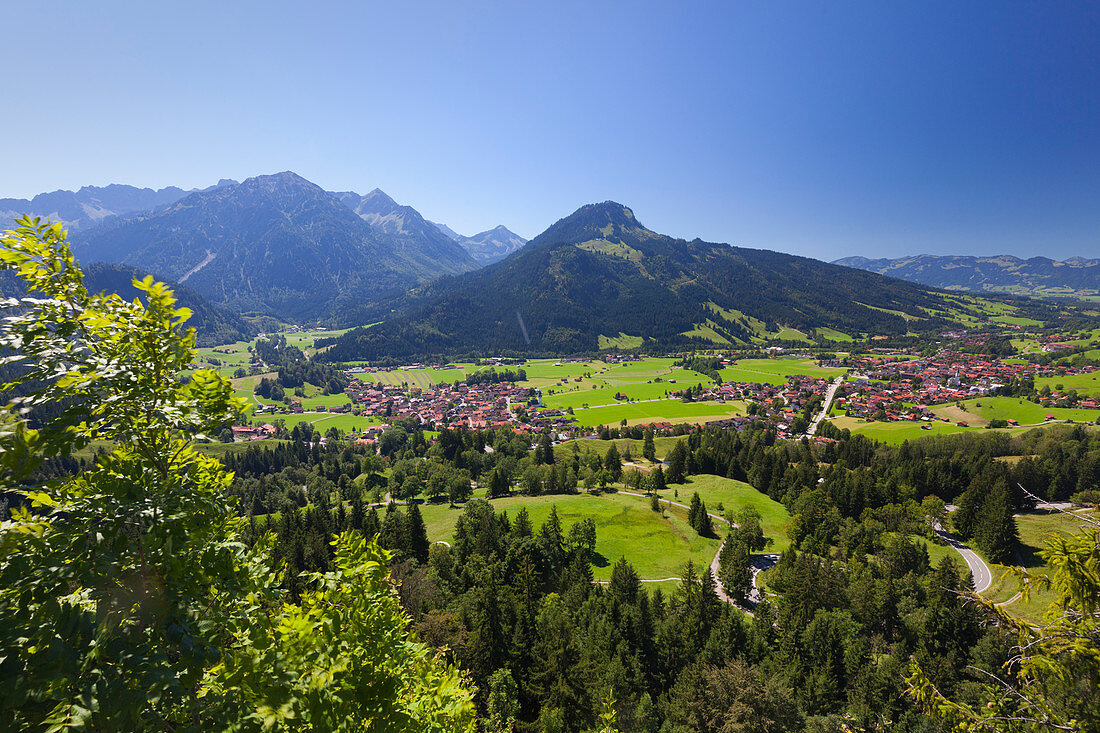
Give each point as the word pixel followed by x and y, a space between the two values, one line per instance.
pixel 983 576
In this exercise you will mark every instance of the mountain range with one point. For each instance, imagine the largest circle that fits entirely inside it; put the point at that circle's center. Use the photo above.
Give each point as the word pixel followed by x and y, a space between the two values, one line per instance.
pixel 275 245
pixel 91 204
pixel 274 249
pixel 279 245
pixel 1037 276
pixel 599 277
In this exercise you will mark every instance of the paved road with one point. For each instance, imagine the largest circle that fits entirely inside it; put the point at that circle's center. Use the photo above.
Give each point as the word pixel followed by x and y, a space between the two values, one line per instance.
pixel 830 393
pixel 983 576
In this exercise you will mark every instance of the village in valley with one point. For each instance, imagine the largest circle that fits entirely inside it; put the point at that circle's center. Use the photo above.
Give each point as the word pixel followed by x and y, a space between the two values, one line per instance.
pixel 792 390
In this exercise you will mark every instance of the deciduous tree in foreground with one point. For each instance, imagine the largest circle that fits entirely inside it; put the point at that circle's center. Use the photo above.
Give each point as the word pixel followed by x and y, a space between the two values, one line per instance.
pixel 127 601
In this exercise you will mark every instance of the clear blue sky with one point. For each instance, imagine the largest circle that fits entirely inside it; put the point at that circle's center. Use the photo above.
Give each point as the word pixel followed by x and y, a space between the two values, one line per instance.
pixel 825 129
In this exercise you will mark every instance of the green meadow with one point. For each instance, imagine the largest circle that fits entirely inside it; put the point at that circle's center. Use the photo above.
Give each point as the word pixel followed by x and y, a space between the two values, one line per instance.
pixel 671 410
pixel 733 495
pixel 1083 383
pixel 1035 530
pixel 658 544
pixel 1022 411
pixel 775 371
pixel 897 432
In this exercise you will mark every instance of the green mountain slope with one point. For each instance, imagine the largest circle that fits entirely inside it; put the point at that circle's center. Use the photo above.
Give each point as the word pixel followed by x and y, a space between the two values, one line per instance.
pixel 213 324
pixel 600 272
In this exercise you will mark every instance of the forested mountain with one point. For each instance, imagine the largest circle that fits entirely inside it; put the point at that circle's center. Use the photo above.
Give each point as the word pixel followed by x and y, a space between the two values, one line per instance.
pixel 599 271
pixel 91 204
pixel 213 324
pixel 277 245
pixel 1036 276
pixel 407 229
pixel 489 246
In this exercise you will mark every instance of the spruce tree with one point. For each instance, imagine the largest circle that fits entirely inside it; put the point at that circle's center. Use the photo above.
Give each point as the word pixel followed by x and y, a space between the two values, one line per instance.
pixel 417 534
pixel 996 532
pixel 613 463
pixel 648 449
pixel 677 461
pixel 657 479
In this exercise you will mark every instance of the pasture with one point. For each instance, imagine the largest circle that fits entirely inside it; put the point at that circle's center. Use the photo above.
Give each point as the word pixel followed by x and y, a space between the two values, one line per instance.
pixel 1083 383
pixel 775 371
pixel 733 495
pixel 656 544
pixel 983 409
pixel 1034 530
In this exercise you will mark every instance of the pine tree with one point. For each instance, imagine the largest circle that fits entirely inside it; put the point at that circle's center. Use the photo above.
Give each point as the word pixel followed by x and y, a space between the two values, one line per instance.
pixel 693 510
pixel 613 463
pixel 498 483
pixel 677 460
pixel 357 513
pixel 734 567
pixel 417 534
pixel 657 480
pixel 649 451
pixel 996 531
pixel 544 452
pixel 371 524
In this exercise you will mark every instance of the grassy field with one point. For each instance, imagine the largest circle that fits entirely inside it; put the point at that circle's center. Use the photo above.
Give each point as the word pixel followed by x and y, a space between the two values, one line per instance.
pixel 661 446
pixel 1016 320
pixel 984 409
pixel 1083 383
pixel 304 340
pixel 896 432
pixel 833 335
pixel 422 378
pixel 658 545
pixel 706 332
pixel 936 553
pixel 622 341
pixel 791 334
pixel 324 420
pixel 230 358
pixel 1034 529
pixel 673 411
pixel 775 371
pixel 732 496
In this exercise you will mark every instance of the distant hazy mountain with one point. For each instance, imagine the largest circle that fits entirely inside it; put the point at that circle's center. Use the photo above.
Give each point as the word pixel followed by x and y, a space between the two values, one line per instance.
pixel 493 245
pixel 1038 276
pixel 489 246
pixel 405 226
pixel 277 245
pixel 599 272
pixel 89 205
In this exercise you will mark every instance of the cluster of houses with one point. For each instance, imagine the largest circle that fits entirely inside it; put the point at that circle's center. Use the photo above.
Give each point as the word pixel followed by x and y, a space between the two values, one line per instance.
pixel 892 389
pixel 474 406
pixel 879 387
pixel 245 433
